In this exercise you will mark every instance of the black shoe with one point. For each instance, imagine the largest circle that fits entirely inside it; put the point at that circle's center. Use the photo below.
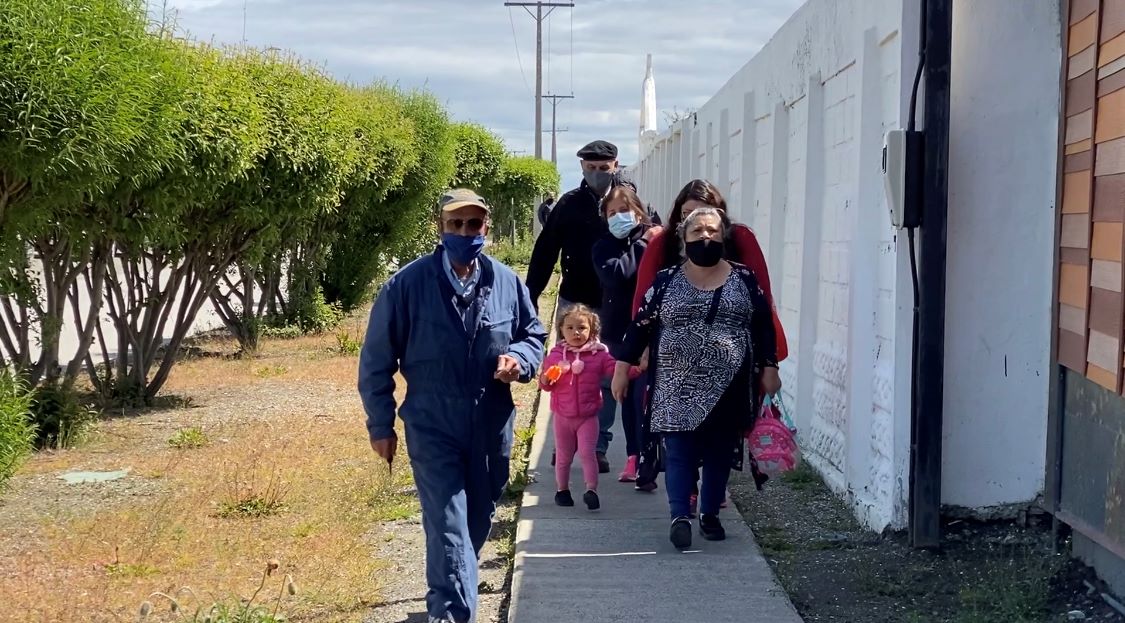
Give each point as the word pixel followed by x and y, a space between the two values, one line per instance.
pixel 645 487
pixel 591 500
pixel 710 528
pixel 760 478
pixel 603 463
pixel 680 533
pixel 563 498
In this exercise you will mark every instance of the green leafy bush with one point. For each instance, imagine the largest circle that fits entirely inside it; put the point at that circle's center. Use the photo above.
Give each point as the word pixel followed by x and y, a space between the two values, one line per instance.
pixel 60 418
pixel 281 331
pixel 17 431
pixel 522 182
pixel 512 254
pixel 316 315
pixel 479 155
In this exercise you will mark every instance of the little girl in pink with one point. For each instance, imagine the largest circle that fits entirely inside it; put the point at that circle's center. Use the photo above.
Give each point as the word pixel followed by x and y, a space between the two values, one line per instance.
pixel 573 373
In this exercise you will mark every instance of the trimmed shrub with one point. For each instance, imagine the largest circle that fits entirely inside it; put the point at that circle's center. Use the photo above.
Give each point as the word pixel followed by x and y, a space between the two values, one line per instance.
pixel 17 431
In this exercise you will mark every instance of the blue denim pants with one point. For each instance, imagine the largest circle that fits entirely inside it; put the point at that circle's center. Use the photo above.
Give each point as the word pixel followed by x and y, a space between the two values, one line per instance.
pixel 683 453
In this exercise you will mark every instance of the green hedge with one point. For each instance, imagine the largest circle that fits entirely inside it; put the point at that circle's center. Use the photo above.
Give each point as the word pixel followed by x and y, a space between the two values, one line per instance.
pixel 17 432
pixel 135 164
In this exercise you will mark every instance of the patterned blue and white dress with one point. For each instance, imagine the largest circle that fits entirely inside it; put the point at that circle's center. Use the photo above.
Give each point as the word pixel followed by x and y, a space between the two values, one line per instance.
pixel 706 346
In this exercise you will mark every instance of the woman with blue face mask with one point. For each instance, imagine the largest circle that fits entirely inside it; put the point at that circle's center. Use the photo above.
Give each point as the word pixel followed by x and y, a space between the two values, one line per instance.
pixel 616 256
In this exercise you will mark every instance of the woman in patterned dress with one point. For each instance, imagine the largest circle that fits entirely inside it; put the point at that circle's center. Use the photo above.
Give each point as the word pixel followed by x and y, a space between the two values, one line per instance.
pixel 709 330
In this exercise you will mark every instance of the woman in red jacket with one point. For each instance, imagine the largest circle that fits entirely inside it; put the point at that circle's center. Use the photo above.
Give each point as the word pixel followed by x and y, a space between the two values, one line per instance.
pixel 664 251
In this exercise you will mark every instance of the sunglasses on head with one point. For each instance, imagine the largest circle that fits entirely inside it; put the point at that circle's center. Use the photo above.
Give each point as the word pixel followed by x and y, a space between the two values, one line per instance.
pixel 460 223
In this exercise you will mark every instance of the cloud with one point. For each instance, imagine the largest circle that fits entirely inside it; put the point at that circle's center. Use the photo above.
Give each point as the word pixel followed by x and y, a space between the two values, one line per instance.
pixel 465 53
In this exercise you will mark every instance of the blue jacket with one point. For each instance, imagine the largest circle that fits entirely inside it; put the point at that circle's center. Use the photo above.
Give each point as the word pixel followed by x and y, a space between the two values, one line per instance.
pixel 616 261
pixel 416 329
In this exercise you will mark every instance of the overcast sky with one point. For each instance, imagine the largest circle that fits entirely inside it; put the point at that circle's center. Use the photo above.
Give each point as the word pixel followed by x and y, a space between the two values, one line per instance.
pixel 465 52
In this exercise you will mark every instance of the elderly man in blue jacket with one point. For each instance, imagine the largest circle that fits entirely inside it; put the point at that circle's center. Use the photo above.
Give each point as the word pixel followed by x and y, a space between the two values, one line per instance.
pixel 460 327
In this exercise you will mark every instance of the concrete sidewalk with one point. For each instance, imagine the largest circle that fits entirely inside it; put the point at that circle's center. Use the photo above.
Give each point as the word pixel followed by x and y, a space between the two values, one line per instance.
pixel 617 564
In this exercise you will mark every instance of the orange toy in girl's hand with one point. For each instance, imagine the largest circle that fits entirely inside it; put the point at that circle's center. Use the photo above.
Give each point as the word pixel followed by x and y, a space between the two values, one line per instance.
pixel 554 373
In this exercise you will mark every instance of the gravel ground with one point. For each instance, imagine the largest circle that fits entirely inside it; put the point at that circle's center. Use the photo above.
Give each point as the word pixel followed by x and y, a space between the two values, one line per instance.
pixel 834 571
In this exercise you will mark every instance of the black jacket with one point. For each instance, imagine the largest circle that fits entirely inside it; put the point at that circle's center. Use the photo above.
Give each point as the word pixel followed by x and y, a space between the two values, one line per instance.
pixel 616 261
pixel 544 211
pixel 572 228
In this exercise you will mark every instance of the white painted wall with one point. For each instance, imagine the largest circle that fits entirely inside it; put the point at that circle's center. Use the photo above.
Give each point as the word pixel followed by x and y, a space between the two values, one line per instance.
pixel 794 140
pixel 1002 163
pixel 206 320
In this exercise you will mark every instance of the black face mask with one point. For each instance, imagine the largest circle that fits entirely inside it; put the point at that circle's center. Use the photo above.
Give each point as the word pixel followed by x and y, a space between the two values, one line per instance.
pixel 705 253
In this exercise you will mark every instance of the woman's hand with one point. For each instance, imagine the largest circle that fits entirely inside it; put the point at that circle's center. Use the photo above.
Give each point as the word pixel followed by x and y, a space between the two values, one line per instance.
pixel 643 365
pixel 771 381
pixel 620 383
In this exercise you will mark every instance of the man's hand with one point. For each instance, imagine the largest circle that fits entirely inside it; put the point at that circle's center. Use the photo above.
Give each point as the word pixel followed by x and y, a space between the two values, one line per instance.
pixel 652 232
pixel 771 381
pixel 386 448
pixel 507 369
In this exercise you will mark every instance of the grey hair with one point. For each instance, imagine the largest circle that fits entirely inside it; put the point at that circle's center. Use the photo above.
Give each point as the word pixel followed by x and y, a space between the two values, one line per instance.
pixel 686 224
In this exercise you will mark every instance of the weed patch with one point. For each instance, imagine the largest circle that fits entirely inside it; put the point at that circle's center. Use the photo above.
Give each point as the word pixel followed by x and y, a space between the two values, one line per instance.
pixel 256 609
pixel 188 438
pixel 773 540
pixel 802 478
pixel 267 372
pixel 347 345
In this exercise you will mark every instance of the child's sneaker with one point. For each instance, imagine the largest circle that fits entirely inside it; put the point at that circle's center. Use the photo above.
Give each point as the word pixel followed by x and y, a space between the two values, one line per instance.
pixel 563 498
pixel 680 533
pixel 591 500
pixel 711 529
pixel 629 474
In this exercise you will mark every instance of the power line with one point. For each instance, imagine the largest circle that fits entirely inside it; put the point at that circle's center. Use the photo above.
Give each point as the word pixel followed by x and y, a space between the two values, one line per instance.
pixel 538 16
pixel 516 42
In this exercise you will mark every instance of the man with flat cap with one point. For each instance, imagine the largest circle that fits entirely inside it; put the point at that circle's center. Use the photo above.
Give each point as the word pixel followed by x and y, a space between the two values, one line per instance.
pixel 460 328
pixel 572 228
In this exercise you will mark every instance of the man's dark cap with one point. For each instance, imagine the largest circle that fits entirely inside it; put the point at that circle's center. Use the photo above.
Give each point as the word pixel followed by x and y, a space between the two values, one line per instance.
pixel 598 150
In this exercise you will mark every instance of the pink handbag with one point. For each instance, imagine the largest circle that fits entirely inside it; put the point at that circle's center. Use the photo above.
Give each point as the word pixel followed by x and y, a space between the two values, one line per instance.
pixel 773 440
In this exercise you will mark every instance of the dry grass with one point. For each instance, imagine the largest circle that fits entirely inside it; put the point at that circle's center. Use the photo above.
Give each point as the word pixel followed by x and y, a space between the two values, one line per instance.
pixel 275 465
pixel 291 439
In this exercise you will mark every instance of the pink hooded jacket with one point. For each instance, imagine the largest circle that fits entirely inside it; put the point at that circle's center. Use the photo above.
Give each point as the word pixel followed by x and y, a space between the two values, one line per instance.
pixel 578 392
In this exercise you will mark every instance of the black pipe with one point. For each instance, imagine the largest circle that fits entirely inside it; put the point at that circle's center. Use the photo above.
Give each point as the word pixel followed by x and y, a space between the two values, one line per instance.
pixel 925 511
pixel 1056 397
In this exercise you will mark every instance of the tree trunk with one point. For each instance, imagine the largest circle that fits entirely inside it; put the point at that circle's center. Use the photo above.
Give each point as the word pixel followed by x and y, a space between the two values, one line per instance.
pixel 97 266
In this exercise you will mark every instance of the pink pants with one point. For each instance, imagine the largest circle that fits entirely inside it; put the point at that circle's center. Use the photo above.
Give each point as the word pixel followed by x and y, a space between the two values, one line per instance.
pixel 576 434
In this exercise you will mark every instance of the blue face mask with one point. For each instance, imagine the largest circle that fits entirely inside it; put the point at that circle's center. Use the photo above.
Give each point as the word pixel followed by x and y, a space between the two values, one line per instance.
pixel 462 249
pixel 621 224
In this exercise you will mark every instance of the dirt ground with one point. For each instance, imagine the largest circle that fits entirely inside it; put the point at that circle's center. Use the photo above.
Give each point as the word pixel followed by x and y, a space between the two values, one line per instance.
pixel 834 571
pixel 282 472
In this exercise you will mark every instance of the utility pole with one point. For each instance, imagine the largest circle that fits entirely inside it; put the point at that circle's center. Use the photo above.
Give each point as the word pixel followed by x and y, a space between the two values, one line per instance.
pixel 539 16
pixel 554 131
pixel 554 115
